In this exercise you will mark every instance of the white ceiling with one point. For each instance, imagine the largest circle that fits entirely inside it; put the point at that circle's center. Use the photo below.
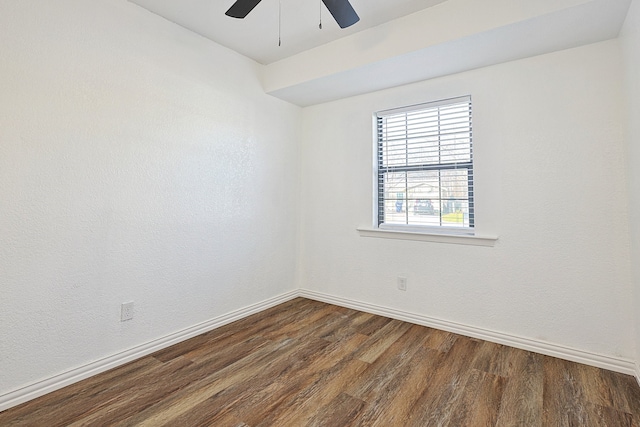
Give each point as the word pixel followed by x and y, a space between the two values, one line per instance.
pixel 256 36
pixel 396 42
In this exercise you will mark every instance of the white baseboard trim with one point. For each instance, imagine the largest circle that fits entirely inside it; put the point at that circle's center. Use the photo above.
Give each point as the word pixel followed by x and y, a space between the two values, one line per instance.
pixel 56 382
pixel 621 365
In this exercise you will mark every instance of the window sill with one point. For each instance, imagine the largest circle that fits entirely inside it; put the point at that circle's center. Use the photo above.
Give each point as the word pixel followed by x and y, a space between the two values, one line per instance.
pixel 457 239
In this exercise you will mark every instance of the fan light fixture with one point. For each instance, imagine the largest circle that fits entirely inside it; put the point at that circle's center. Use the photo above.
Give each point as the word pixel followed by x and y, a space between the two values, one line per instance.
pixel 341 10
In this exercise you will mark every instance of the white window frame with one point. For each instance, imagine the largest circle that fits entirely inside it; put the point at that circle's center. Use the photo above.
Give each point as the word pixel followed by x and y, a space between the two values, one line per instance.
pixel 466 165
pixel 443 234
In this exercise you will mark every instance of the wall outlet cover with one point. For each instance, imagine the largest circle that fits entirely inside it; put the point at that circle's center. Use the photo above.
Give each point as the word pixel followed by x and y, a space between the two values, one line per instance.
pixel 126 311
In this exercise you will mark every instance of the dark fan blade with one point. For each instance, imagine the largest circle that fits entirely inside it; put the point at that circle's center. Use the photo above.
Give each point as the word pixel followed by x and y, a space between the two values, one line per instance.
pixel 241 8
pixel 342 12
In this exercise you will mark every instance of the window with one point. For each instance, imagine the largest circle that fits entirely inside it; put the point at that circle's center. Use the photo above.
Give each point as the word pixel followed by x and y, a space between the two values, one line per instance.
pixel 425 166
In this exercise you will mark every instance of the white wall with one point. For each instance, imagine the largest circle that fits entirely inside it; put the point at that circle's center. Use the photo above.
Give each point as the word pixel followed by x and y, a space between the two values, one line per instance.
pixel 140 162
pixel 630 37
pixel 550 182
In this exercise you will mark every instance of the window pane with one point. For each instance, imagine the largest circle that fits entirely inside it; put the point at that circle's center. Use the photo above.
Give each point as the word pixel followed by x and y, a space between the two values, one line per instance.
pixel 395 186
pixel 424 196
pixel 455 198
pixel 425 165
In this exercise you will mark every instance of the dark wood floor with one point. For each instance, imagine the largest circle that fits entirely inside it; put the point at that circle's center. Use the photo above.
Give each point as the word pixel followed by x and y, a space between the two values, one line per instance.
pixel 306 363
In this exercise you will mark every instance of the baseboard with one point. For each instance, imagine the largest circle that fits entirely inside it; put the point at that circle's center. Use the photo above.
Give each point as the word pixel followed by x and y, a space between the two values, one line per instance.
pixel 621 365
pixel 41 388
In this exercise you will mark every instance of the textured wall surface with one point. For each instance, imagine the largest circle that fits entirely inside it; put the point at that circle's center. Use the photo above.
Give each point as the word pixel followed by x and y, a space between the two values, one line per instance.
pixel 550 182
pixel 630 37
pixel 140 162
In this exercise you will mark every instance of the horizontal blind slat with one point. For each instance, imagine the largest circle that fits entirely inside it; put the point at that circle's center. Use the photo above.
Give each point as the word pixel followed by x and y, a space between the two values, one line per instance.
pixel 425 163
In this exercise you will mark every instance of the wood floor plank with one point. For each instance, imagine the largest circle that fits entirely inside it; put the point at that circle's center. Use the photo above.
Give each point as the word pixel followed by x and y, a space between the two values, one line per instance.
pixel 625 393
pixel 479 402
pixel 564 398
pixel 138 393
pixel 243 371
pixel 213 412
pixel 386 405
pixel 381 340
pixel 522 403
pixel 92 391
pixel 305 404
pixel 266 392
pixel 400 403
pixel 144 387
pixel 298 323
pixel 326 376
pixel 242 328
pixel 435 405
pixel 595 387
pixel 387 371
pixel 373 325
pixel 601 416
pixel 440 340
pixel 307 363
pixel 346 325
pixel 341 411
pixel 494 359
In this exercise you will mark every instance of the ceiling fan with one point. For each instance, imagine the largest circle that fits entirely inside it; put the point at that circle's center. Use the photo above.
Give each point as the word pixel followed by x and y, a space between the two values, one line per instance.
pixel 342 11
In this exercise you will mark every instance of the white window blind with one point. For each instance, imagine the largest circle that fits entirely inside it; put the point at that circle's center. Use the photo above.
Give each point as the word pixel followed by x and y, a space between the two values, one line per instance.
pixel 425 165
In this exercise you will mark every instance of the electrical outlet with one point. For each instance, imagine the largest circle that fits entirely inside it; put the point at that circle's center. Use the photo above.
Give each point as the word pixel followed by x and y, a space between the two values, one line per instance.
pixel 126 311
pixel 402 283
